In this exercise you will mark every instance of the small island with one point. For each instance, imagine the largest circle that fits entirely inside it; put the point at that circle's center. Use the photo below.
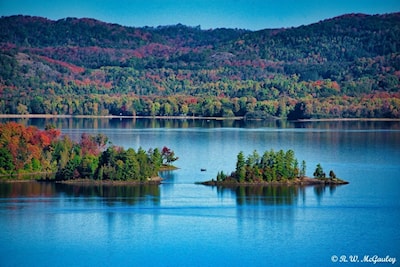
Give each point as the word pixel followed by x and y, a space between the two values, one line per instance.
pixel 27 151
pixel 273 168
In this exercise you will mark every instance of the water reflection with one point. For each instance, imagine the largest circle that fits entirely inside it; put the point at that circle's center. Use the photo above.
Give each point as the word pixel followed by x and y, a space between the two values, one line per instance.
pixel 273 195
pixel 130 194
pixel 27 189
pixel 320 190
pixel 141 123
pixel 353 125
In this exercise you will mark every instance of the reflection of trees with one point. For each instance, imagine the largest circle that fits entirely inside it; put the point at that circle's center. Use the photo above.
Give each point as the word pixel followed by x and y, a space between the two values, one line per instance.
pixel 320 190
pixel 131 194
pixel 27 189
pixel 168 180
pixel 265 195
pixel 273 194
pixel 347 125
pixel 132 123
pixel 129 123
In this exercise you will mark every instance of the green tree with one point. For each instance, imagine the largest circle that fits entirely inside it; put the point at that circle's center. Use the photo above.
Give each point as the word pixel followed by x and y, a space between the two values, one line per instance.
pixel 289 164
pixel 88 166
pixel 221 176
pixel 131 165
pixel 6 161
pixel 240 167
pixel 145 170
pixel 280 165
pixel 156 158
pixel 303 168
pixel 253 159
pixel 319 172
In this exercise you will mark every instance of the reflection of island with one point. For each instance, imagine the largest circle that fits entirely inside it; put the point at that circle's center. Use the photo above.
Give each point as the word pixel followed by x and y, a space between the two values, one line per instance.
pixel 272 195
pixel 268 195
pixel 130 194
pixel 111 193
pixel 273 168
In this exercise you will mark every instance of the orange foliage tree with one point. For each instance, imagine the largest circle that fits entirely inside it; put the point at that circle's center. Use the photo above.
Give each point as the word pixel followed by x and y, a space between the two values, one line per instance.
pixel 25 147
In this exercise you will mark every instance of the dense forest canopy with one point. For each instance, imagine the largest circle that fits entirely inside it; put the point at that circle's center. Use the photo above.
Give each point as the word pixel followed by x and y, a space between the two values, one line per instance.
pixel 29 150
pixel 348 66
pixel 272 167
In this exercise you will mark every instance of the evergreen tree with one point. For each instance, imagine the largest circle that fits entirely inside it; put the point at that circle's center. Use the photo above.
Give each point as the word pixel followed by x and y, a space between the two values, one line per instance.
pixel 280 165
pixel 156 158
pixel 144 166
pixel 240 167
pixel 296 170
pixel 6 161
pixel 289 163
pixel 131 167
pixel 319 172
pixel 303 168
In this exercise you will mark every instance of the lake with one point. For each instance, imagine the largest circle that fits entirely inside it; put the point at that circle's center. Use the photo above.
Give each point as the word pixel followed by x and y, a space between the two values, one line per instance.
pixel 180 223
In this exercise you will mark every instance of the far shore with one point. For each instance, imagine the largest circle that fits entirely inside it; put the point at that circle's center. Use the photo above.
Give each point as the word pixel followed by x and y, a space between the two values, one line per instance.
pixel 51 116
pixel 154 181
pixel 304 181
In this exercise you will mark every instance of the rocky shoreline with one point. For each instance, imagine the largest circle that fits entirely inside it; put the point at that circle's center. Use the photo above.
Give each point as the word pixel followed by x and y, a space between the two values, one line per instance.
pixel 304 181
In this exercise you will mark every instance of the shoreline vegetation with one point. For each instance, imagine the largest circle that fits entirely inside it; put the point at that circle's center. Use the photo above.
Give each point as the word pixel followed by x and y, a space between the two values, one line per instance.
pixel 57 116
pixel 28 153
pixel 28 177
pixel 272 168
pixel 300 181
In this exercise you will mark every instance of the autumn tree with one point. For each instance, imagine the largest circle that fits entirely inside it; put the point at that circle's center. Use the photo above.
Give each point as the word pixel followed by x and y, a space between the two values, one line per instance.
pixel 93 144
pixel 28 149
pixel 168 156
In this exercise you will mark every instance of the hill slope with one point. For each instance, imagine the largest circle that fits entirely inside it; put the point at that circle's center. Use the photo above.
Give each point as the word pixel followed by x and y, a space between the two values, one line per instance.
pixel 348 66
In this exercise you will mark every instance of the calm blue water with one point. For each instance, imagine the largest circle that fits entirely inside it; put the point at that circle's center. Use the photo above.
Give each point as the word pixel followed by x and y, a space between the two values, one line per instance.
pixel 180 223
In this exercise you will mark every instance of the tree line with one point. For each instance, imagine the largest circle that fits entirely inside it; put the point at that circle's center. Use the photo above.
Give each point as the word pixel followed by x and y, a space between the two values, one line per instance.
pixel 28 150
pixel 376 105
pixel 271 166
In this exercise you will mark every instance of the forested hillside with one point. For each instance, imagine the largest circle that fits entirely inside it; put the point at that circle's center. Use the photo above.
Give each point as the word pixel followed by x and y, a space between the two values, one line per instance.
pixel 344 67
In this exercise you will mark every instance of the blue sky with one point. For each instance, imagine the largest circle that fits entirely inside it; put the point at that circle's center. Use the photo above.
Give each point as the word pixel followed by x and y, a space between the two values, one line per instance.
pixel 244 14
